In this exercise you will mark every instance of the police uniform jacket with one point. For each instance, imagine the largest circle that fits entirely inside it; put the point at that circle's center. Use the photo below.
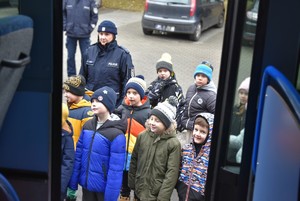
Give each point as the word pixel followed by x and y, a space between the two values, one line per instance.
pixel 79 17
pixel 109 65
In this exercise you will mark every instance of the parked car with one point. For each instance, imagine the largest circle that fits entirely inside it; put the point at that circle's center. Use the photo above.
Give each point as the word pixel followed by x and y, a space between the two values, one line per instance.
pixel 250 24
pixel 182 16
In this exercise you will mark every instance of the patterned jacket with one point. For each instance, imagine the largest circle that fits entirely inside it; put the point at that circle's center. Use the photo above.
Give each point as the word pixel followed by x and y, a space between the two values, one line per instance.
pixel 159 90
pixel 136 119
pixel 193 169
pixel 100 157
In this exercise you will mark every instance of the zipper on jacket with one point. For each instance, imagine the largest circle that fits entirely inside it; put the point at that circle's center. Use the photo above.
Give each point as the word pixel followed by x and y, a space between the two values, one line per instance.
pixel 88 161
pixel 128 140
pixel 189 107
pixel 191 171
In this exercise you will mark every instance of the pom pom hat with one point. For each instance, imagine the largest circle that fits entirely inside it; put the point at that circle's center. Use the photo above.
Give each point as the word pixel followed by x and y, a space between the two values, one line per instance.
pixel 166 111
pixel 245 84
pixel 107 26
pixel 165 62
pixel 137 83
pixel 75 84
pixel 204 69
pixel 107 96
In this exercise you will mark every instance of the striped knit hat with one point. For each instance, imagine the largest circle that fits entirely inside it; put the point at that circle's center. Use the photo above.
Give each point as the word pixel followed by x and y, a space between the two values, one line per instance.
pixel 137 83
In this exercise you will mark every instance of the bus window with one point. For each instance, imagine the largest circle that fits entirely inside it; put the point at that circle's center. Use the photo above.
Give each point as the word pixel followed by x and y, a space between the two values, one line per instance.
pixel 239 107
pixel 8 8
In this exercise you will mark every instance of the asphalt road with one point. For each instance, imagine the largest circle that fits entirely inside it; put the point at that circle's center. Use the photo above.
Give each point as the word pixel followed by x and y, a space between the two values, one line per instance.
pixel 146 50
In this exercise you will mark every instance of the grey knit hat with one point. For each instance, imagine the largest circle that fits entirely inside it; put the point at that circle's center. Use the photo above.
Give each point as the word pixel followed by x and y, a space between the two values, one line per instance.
pixel 165 62
pixel 166 111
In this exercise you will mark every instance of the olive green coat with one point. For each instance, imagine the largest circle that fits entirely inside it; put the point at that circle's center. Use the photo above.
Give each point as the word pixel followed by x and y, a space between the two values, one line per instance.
pixel 154 165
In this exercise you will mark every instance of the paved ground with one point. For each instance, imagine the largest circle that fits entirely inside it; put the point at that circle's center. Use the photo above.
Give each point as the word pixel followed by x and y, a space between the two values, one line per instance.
pixel 146 50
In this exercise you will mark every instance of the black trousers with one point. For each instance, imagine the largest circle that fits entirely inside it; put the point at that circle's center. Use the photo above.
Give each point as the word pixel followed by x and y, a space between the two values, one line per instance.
pixel 125 190
pixel 91 196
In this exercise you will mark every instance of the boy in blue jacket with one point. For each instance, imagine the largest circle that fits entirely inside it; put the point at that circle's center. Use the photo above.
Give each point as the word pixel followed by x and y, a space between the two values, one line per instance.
pixel 100 151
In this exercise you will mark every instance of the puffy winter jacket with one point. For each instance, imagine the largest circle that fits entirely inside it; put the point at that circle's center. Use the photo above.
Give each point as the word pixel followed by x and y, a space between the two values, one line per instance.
pixel 136 119
pixel 100 157
pixel 198 100
pixel 79 113
pixel 154 165
pixel 193 168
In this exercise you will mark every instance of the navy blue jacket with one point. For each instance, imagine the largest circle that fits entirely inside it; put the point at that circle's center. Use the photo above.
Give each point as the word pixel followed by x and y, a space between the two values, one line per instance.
pixel 67 159
pixel 79 17
pixel 100 158
pixel 107 66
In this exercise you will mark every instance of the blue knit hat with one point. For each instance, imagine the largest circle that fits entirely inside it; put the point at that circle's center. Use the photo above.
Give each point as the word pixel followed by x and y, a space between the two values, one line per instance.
pixel 107 26
pixel 107 96
pixel 204 69
pixel 137 83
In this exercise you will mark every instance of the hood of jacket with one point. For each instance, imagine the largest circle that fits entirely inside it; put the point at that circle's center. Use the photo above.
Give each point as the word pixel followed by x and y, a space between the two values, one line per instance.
pixel 209 87
pixel 145 104
pixel 168 133
pixel 80 104
pixel 112 122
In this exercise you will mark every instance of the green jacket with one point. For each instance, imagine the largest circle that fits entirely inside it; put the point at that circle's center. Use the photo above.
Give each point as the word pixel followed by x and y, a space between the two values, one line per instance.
pixel 154 165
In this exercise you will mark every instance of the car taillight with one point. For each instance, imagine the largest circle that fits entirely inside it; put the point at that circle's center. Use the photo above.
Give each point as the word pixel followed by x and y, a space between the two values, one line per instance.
pixel 146 5
pixel 193 8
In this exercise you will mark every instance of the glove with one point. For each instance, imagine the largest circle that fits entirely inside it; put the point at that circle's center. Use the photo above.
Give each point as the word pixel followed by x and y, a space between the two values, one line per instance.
pixel 71 194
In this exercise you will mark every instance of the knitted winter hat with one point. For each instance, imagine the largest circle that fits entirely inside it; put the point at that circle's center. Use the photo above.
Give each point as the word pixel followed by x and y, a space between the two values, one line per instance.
pixel 75 84
pixel 166 111
pixel 208 64
pixel 245 84
pixel 64 113
pixel 137 83
pixel 107 96
pixel 107 26
pixel 204 69
pixel 165 62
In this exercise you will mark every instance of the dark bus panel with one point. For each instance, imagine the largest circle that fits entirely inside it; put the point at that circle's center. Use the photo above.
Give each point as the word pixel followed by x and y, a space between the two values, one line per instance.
pixel 265 48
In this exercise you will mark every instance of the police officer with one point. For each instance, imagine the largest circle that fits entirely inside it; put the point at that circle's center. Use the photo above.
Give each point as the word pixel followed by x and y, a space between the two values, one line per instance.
pixel 106 63
pixel 79 20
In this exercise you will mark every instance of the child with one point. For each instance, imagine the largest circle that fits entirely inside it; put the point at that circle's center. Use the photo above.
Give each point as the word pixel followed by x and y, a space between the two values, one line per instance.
pixel 100 151
pixel 136 109
pixel 239 110
pixel 155 159
pixel 165 85
pixel 194 160
pixel 67 152
pixel 200 97
pixel 79 108
pixel 236 146
pixel 238 119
